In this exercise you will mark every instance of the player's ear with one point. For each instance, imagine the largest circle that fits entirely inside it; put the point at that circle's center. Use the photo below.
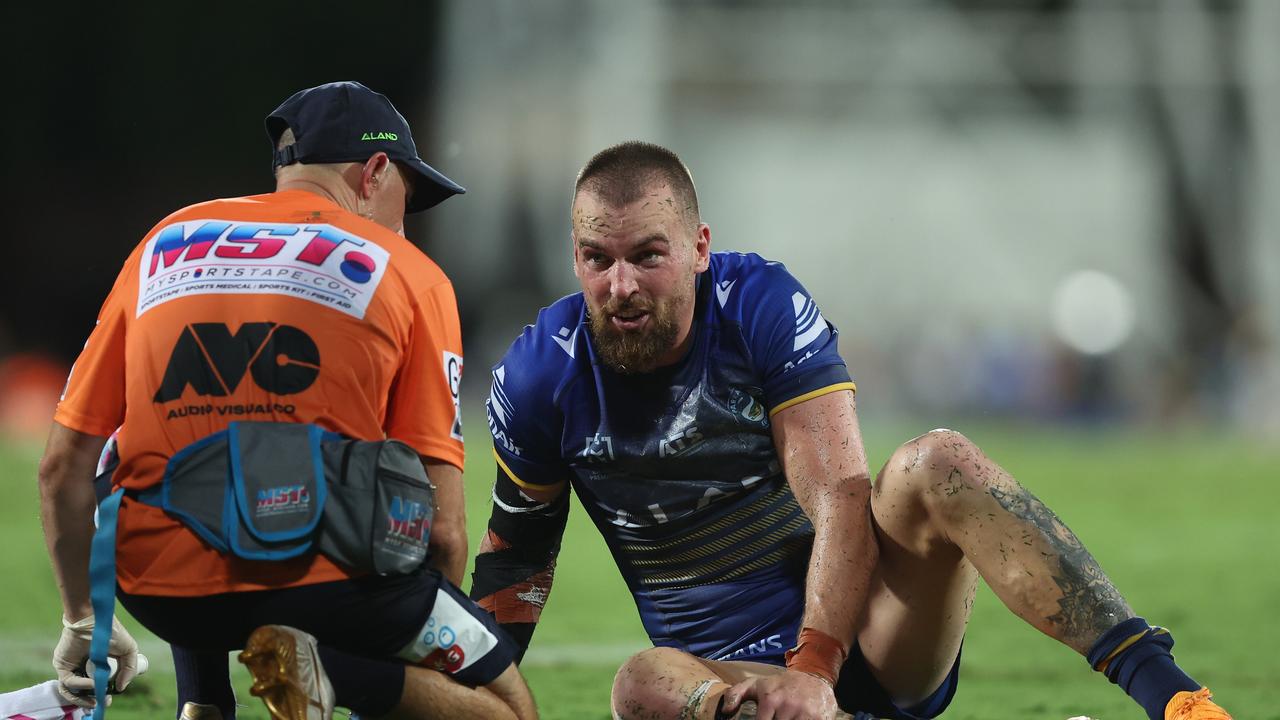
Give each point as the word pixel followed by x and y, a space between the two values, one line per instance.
pixel 702 247
pixel 373 174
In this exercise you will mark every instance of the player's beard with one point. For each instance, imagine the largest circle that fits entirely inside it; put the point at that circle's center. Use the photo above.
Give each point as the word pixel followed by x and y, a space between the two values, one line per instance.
pixel 635 351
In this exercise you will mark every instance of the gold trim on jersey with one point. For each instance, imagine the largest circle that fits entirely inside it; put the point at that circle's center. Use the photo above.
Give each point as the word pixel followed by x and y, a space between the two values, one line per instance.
pixel 522 483
pixel 850 385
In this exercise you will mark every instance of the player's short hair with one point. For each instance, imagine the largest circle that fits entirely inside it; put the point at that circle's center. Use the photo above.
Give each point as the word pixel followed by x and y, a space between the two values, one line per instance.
pixel 619 175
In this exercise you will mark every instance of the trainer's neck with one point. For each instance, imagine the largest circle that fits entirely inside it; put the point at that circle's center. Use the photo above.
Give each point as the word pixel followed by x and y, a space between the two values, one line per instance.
pixel 332 189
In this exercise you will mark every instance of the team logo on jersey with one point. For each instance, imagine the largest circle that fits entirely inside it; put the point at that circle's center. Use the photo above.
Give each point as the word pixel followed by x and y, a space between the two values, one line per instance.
pixel 809 322
pixel 453 376
pixel 318 263
pixel 746 406
pixel 212 361
pixel 723 288
pixel 598 448
pixel 500 412
pixel 566 340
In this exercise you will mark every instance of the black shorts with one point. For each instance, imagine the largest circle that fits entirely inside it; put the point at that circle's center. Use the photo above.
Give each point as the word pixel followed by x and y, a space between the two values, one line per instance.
pixel 858 689
pixel 381 617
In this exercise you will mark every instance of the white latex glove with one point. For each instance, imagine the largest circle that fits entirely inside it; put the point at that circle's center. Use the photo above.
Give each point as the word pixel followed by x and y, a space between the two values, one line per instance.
pixel 72 652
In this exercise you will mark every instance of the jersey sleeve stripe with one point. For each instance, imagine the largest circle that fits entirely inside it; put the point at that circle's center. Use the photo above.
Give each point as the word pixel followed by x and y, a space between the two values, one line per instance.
pixel 850 385
pixel 522 483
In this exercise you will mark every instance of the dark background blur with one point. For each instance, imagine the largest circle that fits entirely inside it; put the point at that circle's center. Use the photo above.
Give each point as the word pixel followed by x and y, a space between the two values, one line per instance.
pixel 120 113
pixel 1051 210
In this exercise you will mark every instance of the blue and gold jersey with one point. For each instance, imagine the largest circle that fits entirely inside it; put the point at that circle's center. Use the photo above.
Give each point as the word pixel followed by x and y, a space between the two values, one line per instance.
pixel 677 467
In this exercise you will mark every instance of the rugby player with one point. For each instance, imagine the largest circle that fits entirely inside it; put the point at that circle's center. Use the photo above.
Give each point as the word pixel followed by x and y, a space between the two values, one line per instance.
pixel 305 306
pixel 697 405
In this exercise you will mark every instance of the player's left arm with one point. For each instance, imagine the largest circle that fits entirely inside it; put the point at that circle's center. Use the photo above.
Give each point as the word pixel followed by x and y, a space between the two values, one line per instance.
pixel 821 449
pixel 815 432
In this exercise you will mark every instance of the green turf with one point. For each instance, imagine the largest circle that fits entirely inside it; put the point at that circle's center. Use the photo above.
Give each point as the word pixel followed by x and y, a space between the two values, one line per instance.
pixel 1183 523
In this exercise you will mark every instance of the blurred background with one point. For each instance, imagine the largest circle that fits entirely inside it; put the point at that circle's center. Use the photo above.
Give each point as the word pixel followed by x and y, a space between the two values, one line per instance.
pixel 1054 211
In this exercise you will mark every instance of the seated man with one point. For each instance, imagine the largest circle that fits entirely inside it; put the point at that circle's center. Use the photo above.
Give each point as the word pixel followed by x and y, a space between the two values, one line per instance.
pixel 696 403
pixel 306 308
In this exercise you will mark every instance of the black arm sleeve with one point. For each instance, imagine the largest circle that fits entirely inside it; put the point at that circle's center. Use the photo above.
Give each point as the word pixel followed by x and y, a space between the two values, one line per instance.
pixel 517 559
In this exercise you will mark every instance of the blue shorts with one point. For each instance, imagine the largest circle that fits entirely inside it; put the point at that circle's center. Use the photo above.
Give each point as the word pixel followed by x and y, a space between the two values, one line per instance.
pixel 858 690
pixel 755 619
pixel 421 619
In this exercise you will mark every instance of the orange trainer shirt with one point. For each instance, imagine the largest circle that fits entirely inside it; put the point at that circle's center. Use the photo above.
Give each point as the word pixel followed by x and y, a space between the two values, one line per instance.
pixel 279 307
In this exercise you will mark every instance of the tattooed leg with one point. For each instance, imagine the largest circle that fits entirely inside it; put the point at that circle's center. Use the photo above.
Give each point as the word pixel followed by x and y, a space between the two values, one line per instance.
pixel 1089 603
pixel 944 515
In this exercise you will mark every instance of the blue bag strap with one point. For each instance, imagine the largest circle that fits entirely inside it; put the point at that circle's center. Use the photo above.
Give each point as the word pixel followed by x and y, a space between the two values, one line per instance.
pixel 102 595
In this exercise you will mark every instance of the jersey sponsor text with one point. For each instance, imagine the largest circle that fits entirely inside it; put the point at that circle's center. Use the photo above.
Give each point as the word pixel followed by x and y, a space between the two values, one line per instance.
pixel 318 263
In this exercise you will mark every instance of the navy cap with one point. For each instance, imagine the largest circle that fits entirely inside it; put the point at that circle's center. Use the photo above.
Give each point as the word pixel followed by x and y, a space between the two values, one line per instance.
pixel 348 122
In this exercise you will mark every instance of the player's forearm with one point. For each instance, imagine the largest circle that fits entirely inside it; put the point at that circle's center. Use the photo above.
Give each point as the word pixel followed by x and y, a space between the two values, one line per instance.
pixel 517 558
pixel 820 446
pixel 513 589
pixel 843 558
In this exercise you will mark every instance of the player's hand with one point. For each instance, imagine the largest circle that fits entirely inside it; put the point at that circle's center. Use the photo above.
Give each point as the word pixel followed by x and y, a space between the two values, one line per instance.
pixel 72 652
pixel 789 695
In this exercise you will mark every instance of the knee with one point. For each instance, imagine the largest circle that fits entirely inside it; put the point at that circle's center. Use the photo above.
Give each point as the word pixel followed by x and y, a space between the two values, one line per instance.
pixel 648 684
pixel 938 470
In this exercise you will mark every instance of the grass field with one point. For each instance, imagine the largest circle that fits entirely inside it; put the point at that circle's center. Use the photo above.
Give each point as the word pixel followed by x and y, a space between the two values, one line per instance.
pixel 1185 524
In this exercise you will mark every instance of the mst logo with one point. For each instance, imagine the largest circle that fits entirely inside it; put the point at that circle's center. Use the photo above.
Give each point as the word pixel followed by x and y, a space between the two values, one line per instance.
pixel 283 499
pixel 408 520
pixel 209 358
pixel 314 262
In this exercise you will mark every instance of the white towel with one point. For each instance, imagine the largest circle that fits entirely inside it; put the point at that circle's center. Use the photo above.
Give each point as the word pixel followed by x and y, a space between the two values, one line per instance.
pixel 39 702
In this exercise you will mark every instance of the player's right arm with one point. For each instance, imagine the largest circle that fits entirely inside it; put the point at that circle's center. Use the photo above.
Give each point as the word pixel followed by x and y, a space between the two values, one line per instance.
pixel 517 559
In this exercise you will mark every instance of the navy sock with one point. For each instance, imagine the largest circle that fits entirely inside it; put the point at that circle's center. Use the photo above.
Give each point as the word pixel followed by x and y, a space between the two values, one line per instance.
pixel 1135 656
pixel 203 677
pixel 368 687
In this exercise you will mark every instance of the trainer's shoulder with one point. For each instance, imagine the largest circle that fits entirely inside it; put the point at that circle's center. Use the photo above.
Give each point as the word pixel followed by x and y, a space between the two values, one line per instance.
pixel 548 353
pixel 231 208
pixel 419 271
pixel 746 282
